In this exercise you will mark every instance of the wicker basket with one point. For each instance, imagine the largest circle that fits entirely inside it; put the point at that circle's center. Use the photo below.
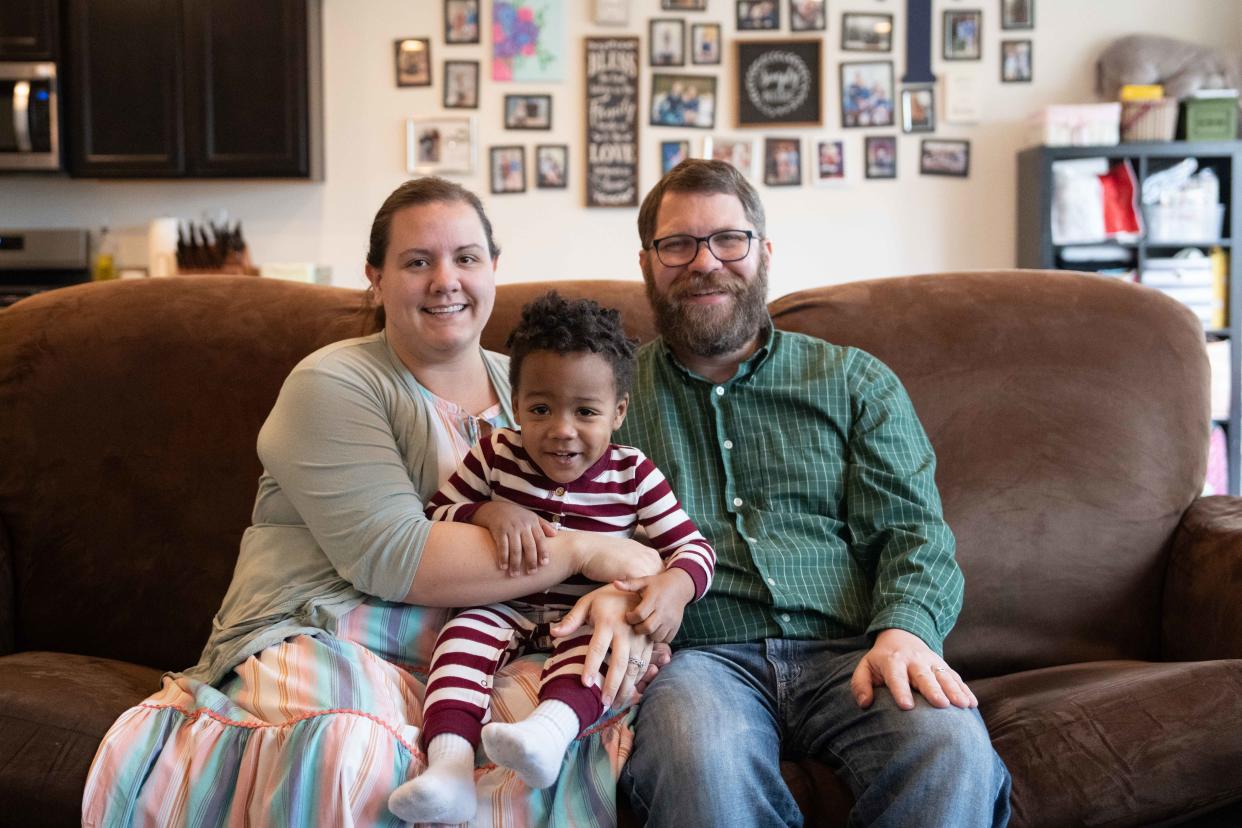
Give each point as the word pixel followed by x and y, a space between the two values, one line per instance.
pixel 1149 120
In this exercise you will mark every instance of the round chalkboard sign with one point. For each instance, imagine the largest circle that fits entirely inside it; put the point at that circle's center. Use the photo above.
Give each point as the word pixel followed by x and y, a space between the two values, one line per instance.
pixel 779 82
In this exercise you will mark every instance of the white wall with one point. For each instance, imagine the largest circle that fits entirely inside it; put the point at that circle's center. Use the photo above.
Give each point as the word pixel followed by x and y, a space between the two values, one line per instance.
pixel 868 228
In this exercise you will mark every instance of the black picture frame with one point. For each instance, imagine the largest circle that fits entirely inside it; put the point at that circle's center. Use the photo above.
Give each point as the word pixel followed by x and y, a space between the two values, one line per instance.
pixel 655 54
pixel 673 97
pixel 876 166
pixel 528 112
pixel 936 157
pixel 555 174
pixel 798 21
pixel 463 33
pixel 672 153
pixel 454 97
pixel 866 32
pixel 758 15
pixel 1017 71
pixel 780 171
pixel 1017 14
pixel 860 106
pixel 962 34
pixel 795 98
pixel 918 108
pixel 503 182
pixel 711 57
pixel 412 61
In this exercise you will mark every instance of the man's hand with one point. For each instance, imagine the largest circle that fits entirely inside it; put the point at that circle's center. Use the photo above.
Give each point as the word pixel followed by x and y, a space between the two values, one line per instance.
pixel 658 615
pixel 607 559
pixel 604 609
pixel 518 534
pixel 903 661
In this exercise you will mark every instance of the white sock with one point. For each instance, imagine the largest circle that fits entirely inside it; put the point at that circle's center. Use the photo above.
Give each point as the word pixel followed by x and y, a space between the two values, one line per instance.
pixel 535 747
pixel 444 792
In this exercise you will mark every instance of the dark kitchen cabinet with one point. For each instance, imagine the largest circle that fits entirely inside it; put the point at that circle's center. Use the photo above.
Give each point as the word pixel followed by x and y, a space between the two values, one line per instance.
pixel 27 29
pixel 193 88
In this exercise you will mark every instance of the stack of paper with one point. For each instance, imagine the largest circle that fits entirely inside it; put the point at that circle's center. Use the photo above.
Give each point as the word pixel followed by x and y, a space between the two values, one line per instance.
pixel 1191 281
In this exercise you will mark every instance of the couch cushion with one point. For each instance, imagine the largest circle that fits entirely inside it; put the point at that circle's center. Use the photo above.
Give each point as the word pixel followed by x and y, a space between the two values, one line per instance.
pixel 1078 738
pixel 54 710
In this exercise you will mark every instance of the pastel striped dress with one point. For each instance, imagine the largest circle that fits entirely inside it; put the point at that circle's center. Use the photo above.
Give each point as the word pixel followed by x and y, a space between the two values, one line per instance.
pixel 319 730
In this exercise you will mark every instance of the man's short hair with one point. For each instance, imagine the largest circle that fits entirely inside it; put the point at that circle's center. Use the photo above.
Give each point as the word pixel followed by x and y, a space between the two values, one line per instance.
pixel 698 175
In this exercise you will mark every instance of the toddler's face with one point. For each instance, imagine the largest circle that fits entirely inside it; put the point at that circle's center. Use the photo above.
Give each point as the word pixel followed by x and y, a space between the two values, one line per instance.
pixel 567 408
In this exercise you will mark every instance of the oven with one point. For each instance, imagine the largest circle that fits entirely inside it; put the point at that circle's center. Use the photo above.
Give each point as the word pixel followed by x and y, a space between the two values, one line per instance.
pixel 29 130
pixel 32 261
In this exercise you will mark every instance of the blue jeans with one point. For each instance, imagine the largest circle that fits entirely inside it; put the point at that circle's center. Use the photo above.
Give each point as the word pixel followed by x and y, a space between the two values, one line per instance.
pixel 716 721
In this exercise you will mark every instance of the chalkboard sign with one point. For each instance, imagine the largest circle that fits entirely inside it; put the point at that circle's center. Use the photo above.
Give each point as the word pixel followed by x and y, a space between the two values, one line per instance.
pixel 612 121
pixel 778 82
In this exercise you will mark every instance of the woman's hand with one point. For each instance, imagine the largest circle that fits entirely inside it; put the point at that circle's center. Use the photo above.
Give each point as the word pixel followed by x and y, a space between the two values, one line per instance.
pixel 604 559
pixel 518 534
pixel 605 609
pixel 661 654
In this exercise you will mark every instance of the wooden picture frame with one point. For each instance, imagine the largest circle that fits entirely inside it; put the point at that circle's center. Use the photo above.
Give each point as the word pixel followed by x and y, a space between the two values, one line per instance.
pixel 666 41
pixel 461 21
pixel 461 84
pixel 679 100
pixel 938 156
pixel 866 32
pixel 867 93
pixel 962 34
pixel 412 61
pixel 507 169
pixel 880 156
pixel 705 44
pixel 551 166
pixel 528 112
pixel 779 82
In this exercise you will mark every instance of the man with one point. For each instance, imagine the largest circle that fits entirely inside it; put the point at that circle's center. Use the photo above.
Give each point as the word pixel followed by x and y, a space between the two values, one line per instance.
pixel 805 464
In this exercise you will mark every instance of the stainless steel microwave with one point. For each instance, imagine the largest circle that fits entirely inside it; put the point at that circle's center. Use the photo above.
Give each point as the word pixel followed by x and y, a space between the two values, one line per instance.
pixel 29 132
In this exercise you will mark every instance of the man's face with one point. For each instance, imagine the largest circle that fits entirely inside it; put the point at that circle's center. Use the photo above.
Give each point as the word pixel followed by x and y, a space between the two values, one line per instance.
pixel 707 307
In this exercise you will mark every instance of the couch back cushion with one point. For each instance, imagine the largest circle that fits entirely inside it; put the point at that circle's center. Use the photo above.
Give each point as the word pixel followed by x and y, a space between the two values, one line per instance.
pixel 1068 414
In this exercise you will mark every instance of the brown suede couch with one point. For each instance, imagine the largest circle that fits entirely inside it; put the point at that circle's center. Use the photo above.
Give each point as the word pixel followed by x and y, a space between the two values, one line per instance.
pixel 1102 628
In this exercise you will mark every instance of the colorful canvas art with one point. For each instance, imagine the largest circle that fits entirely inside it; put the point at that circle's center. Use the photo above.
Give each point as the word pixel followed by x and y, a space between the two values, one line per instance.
pixel 528 40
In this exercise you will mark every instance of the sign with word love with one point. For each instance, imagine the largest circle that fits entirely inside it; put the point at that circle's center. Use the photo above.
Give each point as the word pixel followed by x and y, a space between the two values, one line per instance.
pixel 612 67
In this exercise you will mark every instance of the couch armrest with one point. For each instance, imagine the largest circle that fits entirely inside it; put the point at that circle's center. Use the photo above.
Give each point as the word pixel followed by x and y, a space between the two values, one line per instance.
pixel 1202 610
pixel 8 608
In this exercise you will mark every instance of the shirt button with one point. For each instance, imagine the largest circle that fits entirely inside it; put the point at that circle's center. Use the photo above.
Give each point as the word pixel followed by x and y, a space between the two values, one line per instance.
pixel 772 581
pixel 785 616
pixel 753 540
pixel 560 491
pixel 728 444
pixel 737 501
pixel 719 391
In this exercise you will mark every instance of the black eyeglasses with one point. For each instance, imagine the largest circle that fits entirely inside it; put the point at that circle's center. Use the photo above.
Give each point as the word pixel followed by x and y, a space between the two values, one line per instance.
pixel 725 245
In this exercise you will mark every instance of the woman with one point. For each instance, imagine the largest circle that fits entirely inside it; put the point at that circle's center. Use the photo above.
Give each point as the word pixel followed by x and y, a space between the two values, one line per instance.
pixel 304 705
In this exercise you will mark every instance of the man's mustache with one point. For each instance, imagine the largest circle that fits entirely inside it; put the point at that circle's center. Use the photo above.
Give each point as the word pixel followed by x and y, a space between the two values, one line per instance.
pixel 716 280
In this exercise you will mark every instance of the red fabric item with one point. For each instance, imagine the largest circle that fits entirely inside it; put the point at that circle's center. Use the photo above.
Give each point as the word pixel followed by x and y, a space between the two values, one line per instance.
pixel 1121 213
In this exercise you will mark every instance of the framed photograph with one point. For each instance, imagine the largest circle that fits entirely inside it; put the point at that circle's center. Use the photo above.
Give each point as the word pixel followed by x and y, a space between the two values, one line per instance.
pixel 683 100
pixel 867 93
pixel 439 145
pixel 413 60
pixel 528 40
pixel 827 162
pixel 881 152
pixel 461 84
pixel 740 152
pixel 938 157
pixel 1016 61
pixel 673 153
pixel 551 166
pixel 683 5
pixel 782 162
pixel 918 108
pixel 866 32
pixel 508 169
pixel 963 35
pixel 667 42
pixel 461 21
pixel 1017 14
pixel 808 15
pixel 778 82
pixel 705 43
pixel 758 15
pixel 611 12
pixel 528 111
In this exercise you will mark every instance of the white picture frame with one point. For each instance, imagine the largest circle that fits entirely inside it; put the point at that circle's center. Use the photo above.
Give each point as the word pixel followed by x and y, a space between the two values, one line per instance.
pixel 742 153
pixel 440 146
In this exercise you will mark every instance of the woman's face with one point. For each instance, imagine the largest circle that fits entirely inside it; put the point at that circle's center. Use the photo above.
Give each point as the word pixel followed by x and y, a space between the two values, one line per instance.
pixel 437 284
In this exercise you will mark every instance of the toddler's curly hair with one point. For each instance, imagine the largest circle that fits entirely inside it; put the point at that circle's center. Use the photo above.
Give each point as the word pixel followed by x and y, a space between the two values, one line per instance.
pixel 566 326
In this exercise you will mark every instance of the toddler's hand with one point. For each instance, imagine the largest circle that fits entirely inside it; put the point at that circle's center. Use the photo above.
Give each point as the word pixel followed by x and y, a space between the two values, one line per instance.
pixel 518 533
pixel 658 615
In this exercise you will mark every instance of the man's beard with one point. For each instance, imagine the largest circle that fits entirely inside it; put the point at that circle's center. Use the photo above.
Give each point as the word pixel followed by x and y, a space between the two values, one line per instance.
pixel 710 330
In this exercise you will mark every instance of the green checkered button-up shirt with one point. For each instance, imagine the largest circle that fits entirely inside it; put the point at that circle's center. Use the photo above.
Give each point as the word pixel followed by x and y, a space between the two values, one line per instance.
pixel 812 476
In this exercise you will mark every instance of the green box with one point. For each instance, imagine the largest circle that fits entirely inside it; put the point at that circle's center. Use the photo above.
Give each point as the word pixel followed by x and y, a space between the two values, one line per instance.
pixel 1211 119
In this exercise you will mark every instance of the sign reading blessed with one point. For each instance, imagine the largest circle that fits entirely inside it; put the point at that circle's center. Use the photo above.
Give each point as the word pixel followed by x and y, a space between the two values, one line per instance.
pixel 778 82
pixel 612 121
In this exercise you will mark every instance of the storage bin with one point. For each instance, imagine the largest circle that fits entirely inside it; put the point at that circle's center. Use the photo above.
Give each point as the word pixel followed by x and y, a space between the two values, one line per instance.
pixel 1149 120
pixel 1076 125
pixel 1211 119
